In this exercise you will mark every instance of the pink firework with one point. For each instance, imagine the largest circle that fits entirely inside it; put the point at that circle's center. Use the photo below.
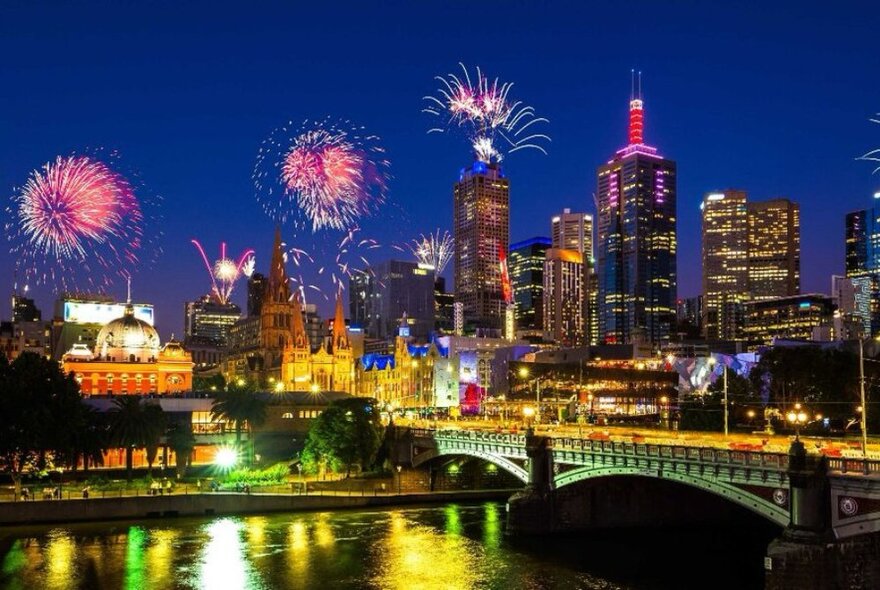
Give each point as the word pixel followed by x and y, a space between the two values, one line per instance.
pixel 74 214
pixel 225 272
pixel 326 175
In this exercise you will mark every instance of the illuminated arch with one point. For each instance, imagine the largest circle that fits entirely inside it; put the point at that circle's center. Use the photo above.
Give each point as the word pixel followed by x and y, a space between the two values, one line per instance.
pixel 502 462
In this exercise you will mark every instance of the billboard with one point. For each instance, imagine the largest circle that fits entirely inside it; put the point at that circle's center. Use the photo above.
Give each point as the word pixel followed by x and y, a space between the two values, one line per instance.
pixel 87 312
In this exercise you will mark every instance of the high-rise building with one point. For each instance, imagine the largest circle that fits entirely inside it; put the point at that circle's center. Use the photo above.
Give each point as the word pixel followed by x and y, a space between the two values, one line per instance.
pixel 788 318
pixel 381 296
pixel 774 249
pixel 564 297
pixel 863 264
pixel 725 263
pixel 481 225
pixel 573 231
pixel 207 322
pixel 527 280
pixel 256 291
pixel 25 310
pixel 636 240
pixel 443 306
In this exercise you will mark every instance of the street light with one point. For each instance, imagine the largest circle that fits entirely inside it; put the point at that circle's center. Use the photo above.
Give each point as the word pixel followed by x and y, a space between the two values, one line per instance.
pixel 864 419
pixel 398 479
pixel 797 418
pixel 524 374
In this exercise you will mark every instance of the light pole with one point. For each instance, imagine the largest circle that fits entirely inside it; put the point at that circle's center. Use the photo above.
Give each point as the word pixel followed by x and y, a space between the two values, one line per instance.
pixel 712 362
pixel 398 479
pixel 864 418
pixel 524 373
pixel 798 418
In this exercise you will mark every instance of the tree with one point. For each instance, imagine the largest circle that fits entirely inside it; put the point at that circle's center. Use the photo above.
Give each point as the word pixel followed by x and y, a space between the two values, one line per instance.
pixel 133 425
pixel 241 406
pixel 155 420
pixel 181 440
pixel 210 383
pixel 86 439
pixel 37 401
pixel 345 434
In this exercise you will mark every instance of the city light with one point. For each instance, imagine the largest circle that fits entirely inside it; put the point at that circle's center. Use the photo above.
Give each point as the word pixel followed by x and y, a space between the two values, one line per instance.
pixel 226 458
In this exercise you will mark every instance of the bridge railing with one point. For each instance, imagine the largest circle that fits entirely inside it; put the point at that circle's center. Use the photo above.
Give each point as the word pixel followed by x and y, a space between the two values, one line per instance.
pixel 746 458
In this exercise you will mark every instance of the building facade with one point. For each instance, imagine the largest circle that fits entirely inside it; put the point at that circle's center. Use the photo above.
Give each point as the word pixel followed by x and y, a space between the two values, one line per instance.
pixel 774 249
pixel 787 318
pixel 862 243
pixel 725 239
pixel 636 240
pixel 572 231
pixel 527 281
pixel 481 232
pixel 565 303
pixel 128 359
pixel 383 294
pixel 207 321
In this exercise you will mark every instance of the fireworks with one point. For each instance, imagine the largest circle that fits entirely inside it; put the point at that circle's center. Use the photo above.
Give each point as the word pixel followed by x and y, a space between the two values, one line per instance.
pixel 494 123
pixel 321 174
pixel 873 155
pixel 225 272
pixel 76 214
pixel 433 250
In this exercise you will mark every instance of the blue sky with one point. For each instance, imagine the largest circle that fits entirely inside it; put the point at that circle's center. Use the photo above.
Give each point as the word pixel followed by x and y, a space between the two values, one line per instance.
pixel 770 97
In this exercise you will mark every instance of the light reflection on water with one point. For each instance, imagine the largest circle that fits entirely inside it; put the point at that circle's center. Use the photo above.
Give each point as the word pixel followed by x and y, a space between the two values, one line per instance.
pixel 445 547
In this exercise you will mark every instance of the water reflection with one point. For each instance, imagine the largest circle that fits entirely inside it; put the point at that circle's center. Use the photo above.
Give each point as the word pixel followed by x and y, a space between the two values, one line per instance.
pixel 453 546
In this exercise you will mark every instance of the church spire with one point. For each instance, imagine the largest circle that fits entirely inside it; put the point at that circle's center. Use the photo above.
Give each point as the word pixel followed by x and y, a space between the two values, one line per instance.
pixel 340 336
pixel 278 290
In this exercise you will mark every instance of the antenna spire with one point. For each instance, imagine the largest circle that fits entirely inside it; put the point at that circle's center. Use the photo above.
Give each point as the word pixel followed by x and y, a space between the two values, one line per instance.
pixel 636 114
pixel 128 295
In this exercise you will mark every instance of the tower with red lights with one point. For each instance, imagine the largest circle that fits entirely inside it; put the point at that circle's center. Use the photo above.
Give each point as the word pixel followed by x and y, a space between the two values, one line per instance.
pixel 636 238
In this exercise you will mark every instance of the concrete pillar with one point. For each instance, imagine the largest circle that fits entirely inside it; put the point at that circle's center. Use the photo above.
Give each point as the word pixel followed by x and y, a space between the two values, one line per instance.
pixel 532 511
pixel 807 556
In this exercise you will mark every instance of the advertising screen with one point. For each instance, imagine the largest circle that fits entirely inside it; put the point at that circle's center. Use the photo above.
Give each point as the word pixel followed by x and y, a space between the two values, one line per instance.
pixel 82 312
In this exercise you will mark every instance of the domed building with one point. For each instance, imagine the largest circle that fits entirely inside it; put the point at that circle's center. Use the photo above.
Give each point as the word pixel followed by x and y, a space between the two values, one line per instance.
pixel 129 359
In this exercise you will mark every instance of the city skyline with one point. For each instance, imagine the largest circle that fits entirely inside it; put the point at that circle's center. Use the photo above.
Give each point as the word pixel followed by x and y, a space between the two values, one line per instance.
pixel 186 147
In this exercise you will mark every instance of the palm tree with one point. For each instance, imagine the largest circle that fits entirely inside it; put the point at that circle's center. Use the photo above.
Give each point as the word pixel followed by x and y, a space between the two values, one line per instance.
pixel 133 425
pixel 181 440
pixel 240 407
pixel 155 419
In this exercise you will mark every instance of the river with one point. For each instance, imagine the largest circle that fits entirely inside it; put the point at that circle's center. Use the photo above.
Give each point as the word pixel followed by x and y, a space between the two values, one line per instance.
pixel 432 547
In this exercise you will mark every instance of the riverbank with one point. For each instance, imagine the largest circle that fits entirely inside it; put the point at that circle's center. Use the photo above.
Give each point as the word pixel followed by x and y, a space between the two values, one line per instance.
pixel 127 507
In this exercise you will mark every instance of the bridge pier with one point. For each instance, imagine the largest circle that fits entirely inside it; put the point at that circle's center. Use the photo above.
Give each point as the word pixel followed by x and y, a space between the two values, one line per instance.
pixel 532 511
pixel 808 556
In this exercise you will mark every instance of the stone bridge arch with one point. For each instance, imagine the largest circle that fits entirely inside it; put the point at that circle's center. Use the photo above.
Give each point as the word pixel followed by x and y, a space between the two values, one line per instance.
pixel 502 462
pixel 778 515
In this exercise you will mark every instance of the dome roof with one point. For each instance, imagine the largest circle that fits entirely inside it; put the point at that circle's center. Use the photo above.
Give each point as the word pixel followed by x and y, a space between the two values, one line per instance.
pixel 127 336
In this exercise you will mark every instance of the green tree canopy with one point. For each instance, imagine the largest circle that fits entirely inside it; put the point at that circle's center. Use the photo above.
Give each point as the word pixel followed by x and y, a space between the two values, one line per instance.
pixel 345 434
pixel 135 424
pixel 240 406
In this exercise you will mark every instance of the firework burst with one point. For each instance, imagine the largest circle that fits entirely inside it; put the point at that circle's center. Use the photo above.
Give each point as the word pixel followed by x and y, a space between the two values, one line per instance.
pixel 433 250
pixel 321 174
pixel 873 155
pixel 76 216
pixel 225 272
pixel 349 256
pixel 494 123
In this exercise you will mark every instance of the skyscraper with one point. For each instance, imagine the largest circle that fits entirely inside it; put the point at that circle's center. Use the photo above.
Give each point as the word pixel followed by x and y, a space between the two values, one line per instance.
pixel 381 296
pixel 774 249
pixel 255 293
pixel 208 322
pixel 573 231
pixel 725 263
pixel 564 297
pixel 527 281
pixel 636 240
pixel 481 226
pixel 863 264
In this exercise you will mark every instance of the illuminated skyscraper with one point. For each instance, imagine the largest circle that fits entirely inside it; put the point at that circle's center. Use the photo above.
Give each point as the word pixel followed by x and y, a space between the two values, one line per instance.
pixel 863 264
pixel 774 249
pixel 573 231
pixel 725 263
pixel 527 279
pixel 636 240
pixel 207 321
pixel 565 302
pixel 481 225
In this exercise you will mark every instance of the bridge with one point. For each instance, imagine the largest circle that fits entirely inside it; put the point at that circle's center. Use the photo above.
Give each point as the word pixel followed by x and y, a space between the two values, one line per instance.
pixel 828 507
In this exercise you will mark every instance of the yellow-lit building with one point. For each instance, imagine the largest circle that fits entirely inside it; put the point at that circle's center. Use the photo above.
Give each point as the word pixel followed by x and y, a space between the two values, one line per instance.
pixel 788 318
pixel 774 249
pixel 273 348
pixel 415 375
pixel 128 358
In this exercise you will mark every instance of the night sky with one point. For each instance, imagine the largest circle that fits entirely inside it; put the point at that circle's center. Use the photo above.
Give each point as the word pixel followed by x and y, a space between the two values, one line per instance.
pixel 771 98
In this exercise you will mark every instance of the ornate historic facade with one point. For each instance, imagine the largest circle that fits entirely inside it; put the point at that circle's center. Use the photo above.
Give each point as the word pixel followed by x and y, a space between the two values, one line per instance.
pixel 128 359
pixel 274 346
